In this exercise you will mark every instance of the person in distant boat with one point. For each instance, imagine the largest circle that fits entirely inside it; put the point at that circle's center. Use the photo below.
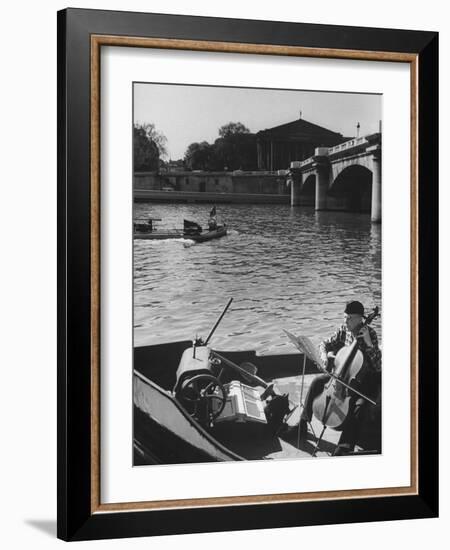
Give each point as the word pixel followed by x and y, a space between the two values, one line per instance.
pixel 150 225
pixel 360 410
pixel 212 222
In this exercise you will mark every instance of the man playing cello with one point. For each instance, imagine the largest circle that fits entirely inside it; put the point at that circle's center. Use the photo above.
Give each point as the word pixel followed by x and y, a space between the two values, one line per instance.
pixel 368 383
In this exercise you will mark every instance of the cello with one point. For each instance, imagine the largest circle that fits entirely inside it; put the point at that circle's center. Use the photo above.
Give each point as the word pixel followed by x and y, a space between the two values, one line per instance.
pixel 332 406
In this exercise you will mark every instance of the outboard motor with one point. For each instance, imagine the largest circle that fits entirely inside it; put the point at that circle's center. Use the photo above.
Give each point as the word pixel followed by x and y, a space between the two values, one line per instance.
pixel 195 360
pixel 197 386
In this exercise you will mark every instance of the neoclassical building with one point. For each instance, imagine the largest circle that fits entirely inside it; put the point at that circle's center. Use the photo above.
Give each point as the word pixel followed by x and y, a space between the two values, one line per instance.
pixel 277 147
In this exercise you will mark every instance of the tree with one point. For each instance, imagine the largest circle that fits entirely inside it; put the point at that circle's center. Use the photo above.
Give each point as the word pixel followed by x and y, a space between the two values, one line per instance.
pixel 201 156
pixel 236 147
pixel 149 147
pixel 232 129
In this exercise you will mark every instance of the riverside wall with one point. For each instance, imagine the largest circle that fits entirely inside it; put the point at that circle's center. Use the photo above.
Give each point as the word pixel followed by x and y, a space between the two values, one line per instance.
pixel 221 187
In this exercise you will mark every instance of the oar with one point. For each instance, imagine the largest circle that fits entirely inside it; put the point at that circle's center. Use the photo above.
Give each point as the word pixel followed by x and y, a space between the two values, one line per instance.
pixel 242 371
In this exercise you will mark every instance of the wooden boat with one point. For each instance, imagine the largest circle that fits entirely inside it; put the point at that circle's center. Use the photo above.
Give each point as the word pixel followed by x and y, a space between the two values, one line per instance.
pixel 147 231
pixel 221 231
pixel 196 404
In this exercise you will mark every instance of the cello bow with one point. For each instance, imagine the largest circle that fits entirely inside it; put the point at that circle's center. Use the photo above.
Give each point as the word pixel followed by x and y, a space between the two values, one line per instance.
pixel 304 345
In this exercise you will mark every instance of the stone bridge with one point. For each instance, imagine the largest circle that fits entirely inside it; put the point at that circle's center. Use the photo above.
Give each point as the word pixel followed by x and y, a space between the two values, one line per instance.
pixel 344 177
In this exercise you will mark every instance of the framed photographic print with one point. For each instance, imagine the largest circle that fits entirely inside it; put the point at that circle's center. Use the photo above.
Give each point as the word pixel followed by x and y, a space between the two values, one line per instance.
pixel 247 274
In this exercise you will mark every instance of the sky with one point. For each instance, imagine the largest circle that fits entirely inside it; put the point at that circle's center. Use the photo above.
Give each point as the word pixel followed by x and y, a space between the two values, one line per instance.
pixel 187 114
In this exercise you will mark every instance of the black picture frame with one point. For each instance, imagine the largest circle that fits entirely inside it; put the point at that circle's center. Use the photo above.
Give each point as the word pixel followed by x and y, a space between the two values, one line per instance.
pixel 78 518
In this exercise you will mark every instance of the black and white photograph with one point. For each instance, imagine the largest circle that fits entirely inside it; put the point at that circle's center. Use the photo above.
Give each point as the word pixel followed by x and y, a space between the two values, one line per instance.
pixel 223 274
pixel 257 274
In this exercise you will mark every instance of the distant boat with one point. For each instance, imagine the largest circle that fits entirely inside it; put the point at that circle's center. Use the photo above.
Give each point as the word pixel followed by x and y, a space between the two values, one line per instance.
pixel 146 230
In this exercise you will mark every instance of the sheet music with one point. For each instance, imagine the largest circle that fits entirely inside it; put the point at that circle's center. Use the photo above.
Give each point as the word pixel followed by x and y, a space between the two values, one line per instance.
pixel 305 345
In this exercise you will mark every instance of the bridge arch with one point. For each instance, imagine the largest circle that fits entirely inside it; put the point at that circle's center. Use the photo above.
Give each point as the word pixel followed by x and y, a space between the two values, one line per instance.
pixel 351 189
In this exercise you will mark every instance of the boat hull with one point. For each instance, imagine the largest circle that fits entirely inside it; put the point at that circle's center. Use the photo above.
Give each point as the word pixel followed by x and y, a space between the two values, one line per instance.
pixel 165 433
pixel 202 237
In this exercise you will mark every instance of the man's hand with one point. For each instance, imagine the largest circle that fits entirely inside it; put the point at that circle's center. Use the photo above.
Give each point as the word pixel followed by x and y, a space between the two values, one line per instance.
pixel 365 335
pixel 328 361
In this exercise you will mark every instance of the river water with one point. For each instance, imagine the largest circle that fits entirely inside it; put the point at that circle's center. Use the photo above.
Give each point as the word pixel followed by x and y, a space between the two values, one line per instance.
pixel 285 267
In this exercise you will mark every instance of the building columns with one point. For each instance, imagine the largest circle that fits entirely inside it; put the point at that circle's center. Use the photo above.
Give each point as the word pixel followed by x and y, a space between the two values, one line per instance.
pixel 259 154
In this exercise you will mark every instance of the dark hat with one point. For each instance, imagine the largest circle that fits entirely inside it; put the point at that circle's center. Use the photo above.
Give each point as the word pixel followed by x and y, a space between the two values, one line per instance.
pixel 354 307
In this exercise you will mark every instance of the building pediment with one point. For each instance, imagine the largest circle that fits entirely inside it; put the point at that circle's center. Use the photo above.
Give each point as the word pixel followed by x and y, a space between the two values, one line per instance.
pixel 301 130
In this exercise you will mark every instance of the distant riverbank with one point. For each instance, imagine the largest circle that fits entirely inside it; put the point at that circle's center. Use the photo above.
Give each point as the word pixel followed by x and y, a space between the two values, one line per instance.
pixel 153 195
